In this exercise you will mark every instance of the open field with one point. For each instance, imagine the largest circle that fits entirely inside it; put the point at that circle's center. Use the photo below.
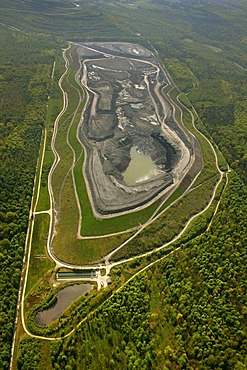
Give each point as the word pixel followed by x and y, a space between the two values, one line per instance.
pixel 40 262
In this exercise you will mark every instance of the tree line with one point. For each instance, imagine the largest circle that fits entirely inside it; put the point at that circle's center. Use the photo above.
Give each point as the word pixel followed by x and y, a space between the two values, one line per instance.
pixel 25 70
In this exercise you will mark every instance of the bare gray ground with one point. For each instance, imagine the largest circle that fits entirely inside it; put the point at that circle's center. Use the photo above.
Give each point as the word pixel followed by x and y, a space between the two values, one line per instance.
pixel 125 108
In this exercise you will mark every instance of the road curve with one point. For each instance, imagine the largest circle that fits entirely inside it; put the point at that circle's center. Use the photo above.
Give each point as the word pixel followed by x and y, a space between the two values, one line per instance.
pixel 108 265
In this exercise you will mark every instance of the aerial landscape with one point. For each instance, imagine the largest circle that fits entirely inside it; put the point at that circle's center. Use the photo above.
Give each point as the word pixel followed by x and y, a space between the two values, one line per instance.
pixel 123 184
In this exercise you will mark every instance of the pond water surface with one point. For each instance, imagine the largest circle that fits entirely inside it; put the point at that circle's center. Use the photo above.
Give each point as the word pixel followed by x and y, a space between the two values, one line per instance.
pixel 65 297
pixel 141 168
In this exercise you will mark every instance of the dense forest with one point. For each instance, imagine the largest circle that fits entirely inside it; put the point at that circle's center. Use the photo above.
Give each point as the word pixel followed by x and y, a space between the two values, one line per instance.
pixel 25 71
pixel 189 311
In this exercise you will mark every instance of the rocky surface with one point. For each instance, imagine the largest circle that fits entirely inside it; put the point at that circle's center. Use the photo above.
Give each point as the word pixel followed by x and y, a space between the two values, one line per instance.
pixel 125 109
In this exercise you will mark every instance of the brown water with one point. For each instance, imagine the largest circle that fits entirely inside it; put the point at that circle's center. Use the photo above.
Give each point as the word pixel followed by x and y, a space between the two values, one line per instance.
pixel 141 168
pixel 65 297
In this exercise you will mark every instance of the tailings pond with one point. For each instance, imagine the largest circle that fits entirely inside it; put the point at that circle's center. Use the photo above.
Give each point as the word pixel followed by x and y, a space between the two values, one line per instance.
pixel 65 297
pixel 141 168
pixel 135 148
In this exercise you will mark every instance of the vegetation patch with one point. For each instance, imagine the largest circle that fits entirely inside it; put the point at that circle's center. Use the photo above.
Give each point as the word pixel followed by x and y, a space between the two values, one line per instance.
pixel 40 263
pixel 170 223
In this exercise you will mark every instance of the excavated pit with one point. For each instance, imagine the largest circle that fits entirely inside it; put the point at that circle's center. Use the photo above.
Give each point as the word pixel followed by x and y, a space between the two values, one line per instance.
pixel 126 119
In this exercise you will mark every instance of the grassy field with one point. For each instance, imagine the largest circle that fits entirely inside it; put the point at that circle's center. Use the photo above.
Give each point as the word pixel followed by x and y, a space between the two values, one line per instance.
pixel 40 263
pixel 209 167
pixel 53 108
pixel 170 223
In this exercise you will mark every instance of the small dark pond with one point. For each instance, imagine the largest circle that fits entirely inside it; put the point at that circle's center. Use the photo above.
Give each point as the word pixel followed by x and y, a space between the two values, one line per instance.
pixel 65 297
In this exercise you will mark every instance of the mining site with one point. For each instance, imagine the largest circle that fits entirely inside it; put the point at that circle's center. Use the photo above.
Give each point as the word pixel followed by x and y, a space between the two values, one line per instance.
pixel 135 150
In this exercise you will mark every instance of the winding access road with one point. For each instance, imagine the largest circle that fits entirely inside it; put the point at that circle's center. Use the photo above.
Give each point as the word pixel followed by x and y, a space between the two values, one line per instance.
pixel 107 265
